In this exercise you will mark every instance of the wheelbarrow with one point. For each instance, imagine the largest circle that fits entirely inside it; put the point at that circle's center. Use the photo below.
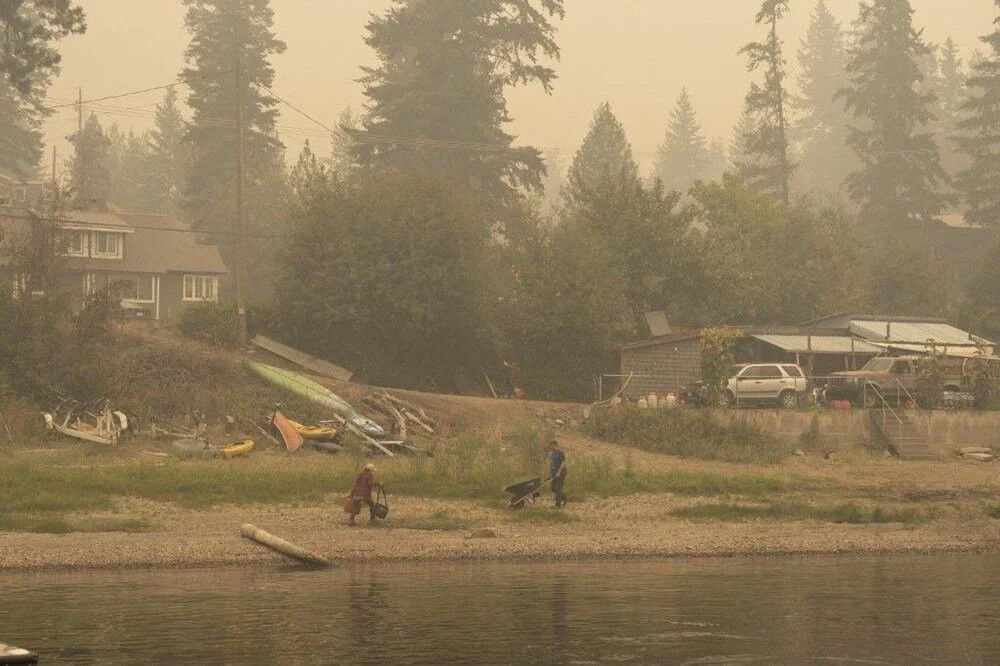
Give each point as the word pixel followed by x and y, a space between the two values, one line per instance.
pixel 525 491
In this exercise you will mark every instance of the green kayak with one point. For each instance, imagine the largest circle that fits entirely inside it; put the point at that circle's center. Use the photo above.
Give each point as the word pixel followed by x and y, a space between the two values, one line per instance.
pixel 307 388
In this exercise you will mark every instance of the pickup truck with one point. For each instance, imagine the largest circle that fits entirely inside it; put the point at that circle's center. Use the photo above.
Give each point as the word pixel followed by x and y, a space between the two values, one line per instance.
pixel 894 378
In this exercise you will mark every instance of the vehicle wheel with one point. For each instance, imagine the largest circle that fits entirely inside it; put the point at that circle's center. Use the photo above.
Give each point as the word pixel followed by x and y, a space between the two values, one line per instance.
pixel 788 400
pixel 726 399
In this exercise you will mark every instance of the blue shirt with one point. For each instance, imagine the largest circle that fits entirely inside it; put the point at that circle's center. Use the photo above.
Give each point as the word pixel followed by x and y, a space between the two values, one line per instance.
pixel 556 459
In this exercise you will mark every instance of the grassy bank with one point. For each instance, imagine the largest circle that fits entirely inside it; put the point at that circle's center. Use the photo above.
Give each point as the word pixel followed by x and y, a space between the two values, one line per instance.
pixel 40 492
pixel 686 433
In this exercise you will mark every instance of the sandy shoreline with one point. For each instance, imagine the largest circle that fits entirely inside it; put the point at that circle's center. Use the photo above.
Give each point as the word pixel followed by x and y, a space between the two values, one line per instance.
pixel 601 529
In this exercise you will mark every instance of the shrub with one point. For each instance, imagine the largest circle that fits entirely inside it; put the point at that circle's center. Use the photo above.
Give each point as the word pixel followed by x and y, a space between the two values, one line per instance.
pixel 691 434
pixel 214 323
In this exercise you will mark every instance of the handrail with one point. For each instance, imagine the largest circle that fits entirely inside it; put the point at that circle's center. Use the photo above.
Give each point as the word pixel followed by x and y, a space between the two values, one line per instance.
pixel 916 405
pixel 885 403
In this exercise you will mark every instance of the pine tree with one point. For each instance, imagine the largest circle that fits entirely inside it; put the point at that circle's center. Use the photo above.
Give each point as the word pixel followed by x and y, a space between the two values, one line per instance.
pixel 901 172
pixel 739 144
pixel 226 34
pixel 89 165
pixel 603 165
pixel 951 98
pixel 30 28
pixel 683 157
pixel 821 128
pixel 771 169
pixel 127 159
pixel 20 133
pixel 436 99
pixel 979 136
pixel 167 158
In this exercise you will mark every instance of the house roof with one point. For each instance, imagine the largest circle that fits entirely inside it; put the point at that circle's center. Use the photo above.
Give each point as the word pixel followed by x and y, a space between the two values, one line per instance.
pixel 819 344
pixel 155 243
pixel 854 316
pixel 914 332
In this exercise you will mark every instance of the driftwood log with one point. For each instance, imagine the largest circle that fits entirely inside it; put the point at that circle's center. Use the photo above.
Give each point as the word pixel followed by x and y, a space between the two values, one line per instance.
pixel 399 402
pixel 279 545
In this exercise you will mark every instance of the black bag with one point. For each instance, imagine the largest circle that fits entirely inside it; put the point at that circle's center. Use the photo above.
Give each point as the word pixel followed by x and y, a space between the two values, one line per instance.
pixel 381 509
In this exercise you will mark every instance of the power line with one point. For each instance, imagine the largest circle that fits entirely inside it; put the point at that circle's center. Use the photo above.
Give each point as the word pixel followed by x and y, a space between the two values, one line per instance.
pixel 139 92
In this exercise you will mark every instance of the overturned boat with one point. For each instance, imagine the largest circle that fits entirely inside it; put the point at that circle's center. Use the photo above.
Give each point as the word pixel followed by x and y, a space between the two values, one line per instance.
pixel 307 388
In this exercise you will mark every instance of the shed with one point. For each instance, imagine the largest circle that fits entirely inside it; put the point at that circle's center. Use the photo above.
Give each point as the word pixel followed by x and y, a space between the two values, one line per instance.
pixel 660 364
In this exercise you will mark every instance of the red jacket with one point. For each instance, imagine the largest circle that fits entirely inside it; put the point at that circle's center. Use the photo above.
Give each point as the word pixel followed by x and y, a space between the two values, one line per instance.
pixel 363 486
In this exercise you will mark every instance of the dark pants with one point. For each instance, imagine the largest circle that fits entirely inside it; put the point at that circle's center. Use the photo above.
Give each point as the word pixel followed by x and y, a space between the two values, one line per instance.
pixel 557 488
pixel 358 503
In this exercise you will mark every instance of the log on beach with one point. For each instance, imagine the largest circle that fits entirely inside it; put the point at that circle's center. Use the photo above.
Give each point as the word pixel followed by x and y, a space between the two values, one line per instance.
pixel 279 545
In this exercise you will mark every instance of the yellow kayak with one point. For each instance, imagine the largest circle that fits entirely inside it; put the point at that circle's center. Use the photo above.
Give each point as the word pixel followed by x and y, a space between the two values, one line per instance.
pixel 313 432
pixel 238 449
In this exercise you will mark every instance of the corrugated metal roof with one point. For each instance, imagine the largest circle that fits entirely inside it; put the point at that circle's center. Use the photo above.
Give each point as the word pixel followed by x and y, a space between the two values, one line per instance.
pixel 819 344
pixel 963 351
pixel 912 332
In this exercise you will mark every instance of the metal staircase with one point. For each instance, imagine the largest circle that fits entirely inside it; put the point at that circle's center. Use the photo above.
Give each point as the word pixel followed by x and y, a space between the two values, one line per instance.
pixel 906 436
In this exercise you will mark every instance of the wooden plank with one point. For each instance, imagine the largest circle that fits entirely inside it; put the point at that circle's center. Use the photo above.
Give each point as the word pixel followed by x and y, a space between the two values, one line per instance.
pixel 362 434
pixel 307 361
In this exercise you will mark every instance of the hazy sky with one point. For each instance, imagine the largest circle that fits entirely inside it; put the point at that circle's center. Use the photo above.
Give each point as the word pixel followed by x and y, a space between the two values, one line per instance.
pixel 636 54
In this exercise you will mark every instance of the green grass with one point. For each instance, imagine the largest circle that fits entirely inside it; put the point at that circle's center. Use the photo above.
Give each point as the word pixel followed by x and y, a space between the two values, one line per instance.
pixel 48 524
pixel 840 513
pixel 686 433
pixel 994 511
pixel 36 493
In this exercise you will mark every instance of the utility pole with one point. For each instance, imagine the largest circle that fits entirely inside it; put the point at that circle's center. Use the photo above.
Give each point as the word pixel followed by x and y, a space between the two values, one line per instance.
pixel 241 308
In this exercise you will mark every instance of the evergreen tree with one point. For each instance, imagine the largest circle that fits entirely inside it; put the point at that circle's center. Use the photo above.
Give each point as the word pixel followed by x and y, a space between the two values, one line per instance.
pixel 343 143
pixel 167 158
pixel 127 159
pixel 821 128
pixel 771 169
pixel 901 172
pixel 979 136
pixel 603 164
pixel 683 157
pixel 89 165
pixel 739 144
pixel 226 35
pixel 30 29
pixel 951 98
pixel 718 161
pixel 20 133
pixel 436 99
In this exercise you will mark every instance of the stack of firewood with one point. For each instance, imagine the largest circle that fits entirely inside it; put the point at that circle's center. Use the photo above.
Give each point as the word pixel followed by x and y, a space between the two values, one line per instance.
pixel 401 412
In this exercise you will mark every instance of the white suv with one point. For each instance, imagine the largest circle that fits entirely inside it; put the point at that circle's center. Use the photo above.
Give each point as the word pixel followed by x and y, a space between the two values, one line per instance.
pixel 759 383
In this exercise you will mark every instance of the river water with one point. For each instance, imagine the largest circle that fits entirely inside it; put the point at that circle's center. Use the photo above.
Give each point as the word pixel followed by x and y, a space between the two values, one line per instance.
pixel 791 610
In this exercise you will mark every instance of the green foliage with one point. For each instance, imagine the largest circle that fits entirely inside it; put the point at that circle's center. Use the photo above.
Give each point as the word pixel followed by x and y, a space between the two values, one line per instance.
pixel 766 262
pixel 822 122
pixel 210 322
pixel 906 277
pixel 603 166
pixel 769 168
pixel 901 174
pixel 979 136
pixel 386 275
pixel 683 157
pixel 222 32
pixel 30 28
pixel 841 513
pixel 90 164
pixel 993 511
pixel 930 380
pixel 20 132
pixel 716 360
pixel 687 433
pixel 167 156
pixel 442 72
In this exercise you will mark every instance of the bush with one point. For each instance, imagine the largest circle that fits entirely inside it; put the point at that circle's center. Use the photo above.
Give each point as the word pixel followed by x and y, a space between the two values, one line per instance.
pixel 214 323
pixel 685 433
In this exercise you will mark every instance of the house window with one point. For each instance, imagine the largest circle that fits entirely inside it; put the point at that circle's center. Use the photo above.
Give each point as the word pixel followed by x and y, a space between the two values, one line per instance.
pixel 200 288
pixel 108 245
pixel 133 287
pixel 74 244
